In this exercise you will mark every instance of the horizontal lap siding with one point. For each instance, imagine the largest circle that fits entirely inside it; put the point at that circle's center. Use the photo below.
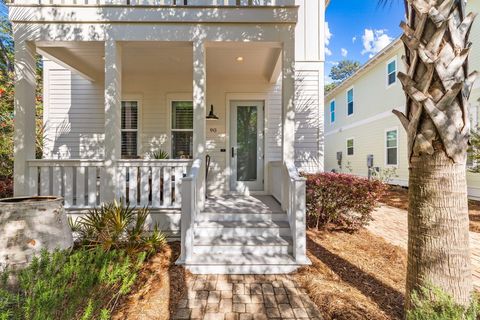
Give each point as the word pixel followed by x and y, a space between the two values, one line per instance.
pixel 307 121
pixel 273 132
pixel 74 115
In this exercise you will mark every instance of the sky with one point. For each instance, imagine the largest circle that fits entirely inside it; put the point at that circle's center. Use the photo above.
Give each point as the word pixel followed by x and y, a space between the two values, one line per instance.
pixel 358 29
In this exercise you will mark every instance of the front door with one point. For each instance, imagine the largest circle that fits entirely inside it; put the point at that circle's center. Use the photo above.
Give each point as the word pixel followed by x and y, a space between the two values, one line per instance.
pixel 246 146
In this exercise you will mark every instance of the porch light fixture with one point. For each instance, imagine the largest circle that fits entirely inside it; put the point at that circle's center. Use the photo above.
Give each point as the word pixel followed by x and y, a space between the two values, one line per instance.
pixel 239 59
pixel 211 115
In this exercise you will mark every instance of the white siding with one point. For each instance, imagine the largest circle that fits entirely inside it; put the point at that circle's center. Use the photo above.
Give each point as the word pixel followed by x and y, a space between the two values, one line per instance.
pixel 74 115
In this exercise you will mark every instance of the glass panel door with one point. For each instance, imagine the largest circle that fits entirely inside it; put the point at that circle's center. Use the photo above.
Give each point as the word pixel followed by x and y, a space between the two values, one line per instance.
pixel 246 133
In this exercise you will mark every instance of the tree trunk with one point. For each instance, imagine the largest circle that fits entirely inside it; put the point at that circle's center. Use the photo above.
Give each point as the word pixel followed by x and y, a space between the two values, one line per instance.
pixel 438 241
pixel 437 84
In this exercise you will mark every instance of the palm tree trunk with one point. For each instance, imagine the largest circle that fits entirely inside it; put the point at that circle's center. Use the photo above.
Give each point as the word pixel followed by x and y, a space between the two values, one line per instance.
pixel 437 86
pixel 438 242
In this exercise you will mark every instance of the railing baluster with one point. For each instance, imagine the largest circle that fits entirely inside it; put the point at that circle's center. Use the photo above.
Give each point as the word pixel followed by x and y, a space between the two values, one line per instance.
pixel 68 190
pixel 92 186
pixel 155 187
pixel 57 181
pixel 122 184
pixel 178 183
pixel 80 194
pixel 132 186
pixel 144 186
pixel 33 181
pixel 101 174
pixel 167 187
pixel 45 181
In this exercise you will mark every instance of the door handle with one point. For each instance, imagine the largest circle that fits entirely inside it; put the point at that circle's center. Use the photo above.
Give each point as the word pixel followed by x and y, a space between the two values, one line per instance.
pixel 233 152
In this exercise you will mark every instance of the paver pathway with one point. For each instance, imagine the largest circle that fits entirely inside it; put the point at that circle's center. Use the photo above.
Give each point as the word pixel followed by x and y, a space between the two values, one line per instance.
pixel 391 224
pixel 245 297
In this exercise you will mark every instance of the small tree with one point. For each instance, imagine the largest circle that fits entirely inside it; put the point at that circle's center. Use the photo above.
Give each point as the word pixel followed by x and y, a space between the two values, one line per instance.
pixel 343 70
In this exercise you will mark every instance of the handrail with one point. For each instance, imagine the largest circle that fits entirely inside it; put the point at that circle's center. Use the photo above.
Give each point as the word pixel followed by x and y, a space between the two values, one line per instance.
pixel 190 208
pixel 65 163
pixel 294 201
pixel 160 3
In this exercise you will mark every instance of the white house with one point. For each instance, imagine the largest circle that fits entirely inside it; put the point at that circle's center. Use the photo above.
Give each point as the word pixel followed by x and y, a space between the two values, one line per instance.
pixel 359 120
pixel 126 78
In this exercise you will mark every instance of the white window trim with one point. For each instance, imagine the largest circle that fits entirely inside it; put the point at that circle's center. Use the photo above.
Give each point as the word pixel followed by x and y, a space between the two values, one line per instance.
pixel 386 72
pixel 346 147
pixel 386 147
pixel 330 110
pixel 346 101
pixel 139 99
pixel 171 97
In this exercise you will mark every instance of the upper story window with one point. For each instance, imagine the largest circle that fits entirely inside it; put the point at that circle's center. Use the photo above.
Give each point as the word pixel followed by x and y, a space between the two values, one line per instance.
pixel 350 102
pixel 392 147
pixel 391 72
pixel 182 129
pixel 129 129
pixel 350 147
pixel 332 111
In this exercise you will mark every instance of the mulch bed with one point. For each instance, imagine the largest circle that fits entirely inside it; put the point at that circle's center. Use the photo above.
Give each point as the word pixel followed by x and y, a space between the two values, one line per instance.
pixel 354 275
pixel 161 284
pixel 398 197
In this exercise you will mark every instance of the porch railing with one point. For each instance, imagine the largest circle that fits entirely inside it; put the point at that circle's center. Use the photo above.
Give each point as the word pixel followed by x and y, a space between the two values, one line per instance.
pixel 180 3
pixel 152 183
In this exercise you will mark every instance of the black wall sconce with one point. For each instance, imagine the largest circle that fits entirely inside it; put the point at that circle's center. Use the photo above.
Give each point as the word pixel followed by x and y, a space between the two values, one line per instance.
pixel 211 115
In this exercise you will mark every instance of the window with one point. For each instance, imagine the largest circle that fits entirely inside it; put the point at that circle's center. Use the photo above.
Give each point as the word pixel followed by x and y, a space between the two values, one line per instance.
pixel 350 147
pixel 182 129
pixel 392 147
pixel 332 111
pixel 129 129
pixel 350 102
pixel 391 72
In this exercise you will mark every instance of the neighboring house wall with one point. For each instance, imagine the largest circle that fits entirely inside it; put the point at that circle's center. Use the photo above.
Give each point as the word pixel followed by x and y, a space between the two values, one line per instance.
pixel 372 117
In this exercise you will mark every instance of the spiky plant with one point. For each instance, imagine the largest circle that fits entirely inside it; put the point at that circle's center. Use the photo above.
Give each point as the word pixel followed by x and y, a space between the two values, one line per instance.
pixel 159 154
pixel 437 84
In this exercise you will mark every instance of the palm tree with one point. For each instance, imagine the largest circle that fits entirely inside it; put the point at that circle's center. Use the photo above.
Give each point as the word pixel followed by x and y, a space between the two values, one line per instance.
pixel 437 84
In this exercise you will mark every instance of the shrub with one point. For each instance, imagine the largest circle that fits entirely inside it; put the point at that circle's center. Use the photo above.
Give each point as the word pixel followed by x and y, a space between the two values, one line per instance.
pixel 115 226
pixel 6 187
pixel 341 199
pixel 434 304
pixel 85 284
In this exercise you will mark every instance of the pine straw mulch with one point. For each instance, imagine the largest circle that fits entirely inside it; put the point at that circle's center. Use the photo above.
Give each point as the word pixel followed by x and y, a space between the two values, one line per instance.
pixel 354 275
pixel 398 197
pixel 160 285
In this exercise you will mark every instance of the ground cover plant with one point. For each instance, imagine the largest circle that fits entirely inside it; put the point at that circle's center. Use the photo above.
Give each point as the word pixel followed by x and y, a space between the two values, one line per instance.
pixel 341 199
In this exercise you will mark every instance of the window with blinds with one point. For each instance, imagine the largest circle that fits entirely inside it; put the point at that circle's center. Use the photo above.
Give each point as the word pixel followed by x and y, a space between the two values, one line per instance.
pixel 182 129
pixel 129 129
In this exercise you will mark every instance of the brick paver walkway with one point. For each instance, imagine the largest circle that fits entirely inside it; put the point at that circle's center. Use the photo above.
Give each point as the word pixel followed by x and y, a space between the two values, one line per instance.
pixel 391 224
pixel 245 297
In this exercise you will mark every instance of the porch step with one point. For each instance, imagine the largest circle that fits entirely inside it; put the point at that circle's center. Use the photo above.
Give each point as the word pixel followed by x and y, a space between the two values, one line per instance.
pixel 249 245
pixel 242 229
pixel 242 216
pixel 242 264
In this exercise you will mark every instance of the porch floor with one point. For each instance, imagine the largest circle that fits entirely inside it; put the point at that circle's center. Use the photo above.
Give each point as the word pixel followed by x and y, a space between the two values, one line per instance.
pixel 242 204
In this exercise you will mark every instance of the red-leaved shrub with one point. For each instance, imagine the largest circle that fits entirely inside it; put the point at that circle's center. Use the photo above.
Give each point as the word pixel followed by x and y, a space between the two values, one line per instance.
pixel 341 199
pixel 6 187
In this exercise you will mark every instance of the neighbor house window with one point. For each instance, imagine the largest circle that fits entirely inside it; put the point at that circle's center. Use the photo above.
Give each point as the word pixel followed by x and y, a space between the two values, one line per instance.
pixel 350 150
pixel 392 147
pixel 350 102
pixel 129 129
pixel 332 111
pixel 391 72
pixel 182 129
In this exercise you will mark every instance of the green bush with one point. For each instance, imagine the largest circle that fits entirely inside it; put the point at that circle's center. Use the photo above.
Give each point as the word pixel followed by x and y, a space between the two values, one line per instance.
pixel 434 304
pixel 85 284
pixel 115 226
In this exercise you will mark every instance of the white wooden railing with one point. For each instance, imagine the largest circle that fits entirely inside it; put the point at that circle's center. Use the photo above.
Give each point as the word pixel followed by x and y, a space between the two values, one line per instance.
pixel 191 187
pixel 295 201
pixel 215 3
pixel 152 183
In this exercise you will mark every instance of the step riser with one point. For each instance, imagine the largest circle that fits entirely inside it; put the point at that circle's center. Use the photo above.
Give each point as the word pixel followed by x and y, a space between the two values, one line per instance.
pixel 241 232
pixel 256 250
pixel 203 217
pixel 241 269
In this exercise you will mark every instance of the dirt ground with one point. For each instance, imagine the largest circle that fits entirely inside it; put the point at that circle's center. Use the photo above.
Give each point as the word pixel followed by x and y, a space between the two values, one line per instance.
pixel 160 286
pixel 354 276
pixel 398 197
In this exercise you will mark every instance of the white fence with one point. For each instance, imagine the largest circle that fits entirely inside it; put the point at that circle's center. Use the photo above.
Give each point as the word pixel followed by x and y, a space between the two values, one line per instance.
pixel 152 183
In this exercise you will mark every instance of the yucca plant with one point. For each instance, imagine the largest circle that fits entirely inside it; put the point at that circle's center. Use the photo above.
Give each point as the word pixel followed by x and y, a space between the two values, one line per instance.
pixel 115 226
pixel 159 154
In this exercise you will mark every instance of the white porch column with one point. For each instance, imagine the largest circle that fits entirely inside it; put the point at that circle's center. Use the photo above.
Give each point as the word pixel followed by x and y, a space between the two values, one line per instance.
pixel 24 113
pixel 113 104
pixel 199 113
pixel 288 100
